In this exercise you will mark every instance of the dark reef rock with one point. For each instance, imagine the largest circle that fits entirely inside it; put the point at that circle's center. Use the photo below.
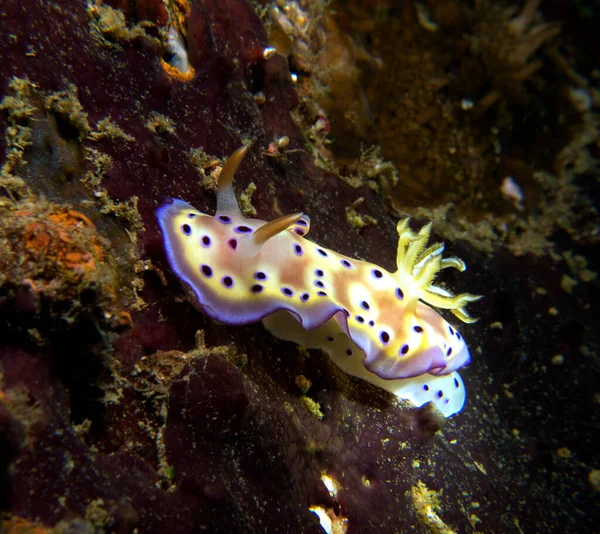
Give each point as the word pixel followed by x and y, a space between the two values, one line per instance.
pixel 124 409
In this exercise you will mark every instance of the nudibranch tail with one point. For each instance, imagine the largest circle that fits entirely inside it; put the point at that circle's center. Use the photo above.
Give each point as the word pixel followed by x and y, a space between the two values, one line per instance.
pixel 243 270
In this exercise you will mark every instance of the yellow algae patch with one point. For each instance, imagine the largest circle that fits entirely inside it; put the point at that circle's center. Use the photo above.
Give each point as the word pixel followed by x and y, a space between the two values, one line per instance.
pixel 246 200
pixel 111 24
pixel 97 514
pixel 594 479
pixel 158 123
pixel 312 406
pixel 17 136
pixel 357 220
pixel 67 103
pixel 107 128
pixel 208 166
pixel 568 283
pixel 427 506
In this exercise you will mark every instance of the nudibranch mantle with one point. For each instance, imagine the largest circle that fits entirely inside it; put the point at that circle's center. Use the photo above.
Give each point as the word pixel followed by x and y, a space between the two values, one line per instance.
pixel 373 324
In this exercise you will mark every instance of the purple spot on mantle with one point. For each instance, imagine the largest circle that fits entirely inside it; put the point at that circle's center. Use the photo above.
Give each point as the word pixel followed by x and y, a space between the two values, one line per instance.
pixel 227 281
pixel 318 283
pixel 347 264
pixel 205 241
pixel 256 288
pixel 186 229
pixel 349 352
pixel 299 232
pixel 287 291
pixel 191 215
pixel 385 337
pixel 206 271
pixel 322 252
pixel 425 387
pixel 225 219
pixel 404 350
pixel 259 275
pixel 321 293
pixel 377 273
pixel 243 229
pixel 319 272
pixel 418 329
pixel 232 243
pixel 399 293
pixel 365 305
pixel 301 222
pixel 298 249
pixel 305 296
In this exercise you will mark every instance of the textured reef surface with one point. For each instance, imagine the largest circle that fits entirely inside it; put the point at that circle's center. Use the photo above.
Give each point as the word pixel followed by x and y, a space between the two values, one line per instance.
pixel 124 409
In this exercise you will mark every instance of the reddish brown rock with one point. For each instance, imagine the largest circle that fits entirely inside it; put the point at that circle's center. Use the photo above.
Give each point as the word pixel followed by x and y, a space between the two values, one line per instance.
pixel 181 421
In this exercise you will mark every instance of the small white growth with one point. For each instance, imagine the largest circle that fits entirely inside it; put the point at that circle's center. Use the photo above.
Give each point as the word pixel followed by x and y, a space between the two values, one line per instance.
pixel 581 99
pixel 321 124
pixel 324 519
pixel 424 18
pixel 330 484
pixel 283 141
pixel 512 192
pixel 269 52
pixel 332 521
pixel 177 51
pixel 466 104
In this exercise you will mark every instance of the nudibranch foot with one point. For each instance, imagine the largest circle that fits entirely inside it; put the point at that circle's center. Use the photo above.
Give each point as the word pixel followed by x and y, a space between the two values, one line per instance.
pixel 447 392
pixel 243 270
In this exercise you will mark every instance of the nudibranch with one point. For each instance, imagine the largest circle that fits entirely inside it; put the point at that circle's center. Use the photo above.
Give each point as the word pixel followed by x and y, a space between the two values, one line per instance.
pixel 374 324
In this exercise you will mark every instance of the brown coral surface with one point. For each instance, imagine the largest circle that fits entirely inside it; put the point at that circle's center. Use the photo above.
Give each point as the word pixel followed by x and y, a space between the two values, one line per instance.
pixel 124 409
